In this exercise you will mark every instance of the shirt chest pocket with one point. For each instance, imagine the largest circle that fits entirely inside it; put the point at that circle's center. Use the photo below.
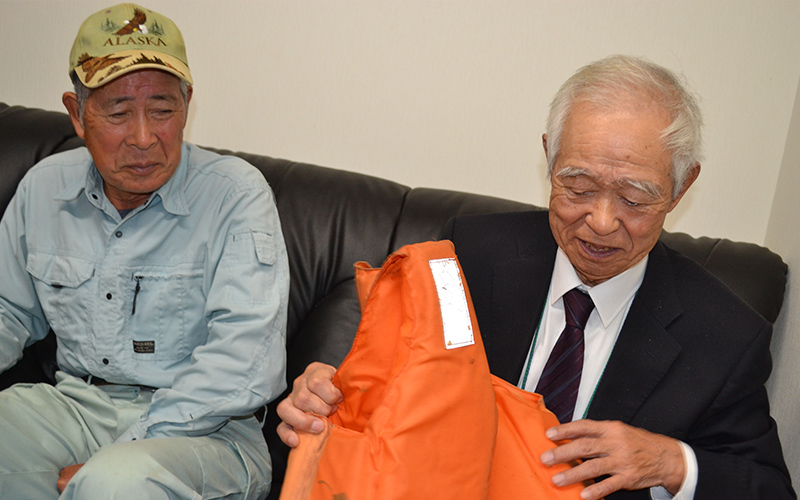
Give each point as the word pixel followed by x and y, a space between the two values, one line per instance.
pixel 63 285
pixel 166 320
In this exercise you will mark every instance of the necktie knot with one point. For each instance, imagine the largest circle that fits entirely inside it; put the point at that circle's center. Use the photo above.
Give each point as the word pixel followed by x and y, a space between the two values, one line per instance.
pixel 577 308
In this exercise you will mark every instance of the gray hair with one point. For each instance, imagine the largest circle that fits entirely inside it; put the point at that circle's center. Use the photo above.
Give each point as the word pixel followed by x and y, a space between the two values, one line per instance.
pixel 620 79
pixel 83 92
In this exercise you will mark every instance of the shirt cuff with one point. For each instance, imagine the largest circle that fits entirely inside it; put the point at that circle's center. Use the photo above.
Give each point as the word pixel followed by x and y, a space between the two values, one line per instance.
pixel 686 492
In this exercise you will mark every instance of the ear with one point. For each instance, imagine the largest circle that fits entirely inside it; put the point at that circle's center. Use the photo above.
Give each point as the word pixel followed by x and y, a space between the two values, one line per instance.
pixel 544 144
pixel 189 92
pixel 693 173
pixel 70 101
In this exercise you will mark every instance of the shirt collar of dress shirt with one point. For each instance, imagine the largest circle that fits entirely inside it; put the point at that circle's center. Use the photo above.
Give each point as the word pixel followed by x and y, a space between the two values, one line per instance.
pixel 172 193
pixel 610 297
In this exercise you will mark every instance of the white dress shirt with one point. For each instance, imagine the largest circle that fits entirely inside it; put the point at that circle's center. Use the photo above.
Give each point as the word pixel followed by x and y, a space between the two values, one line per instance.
pixel 612 300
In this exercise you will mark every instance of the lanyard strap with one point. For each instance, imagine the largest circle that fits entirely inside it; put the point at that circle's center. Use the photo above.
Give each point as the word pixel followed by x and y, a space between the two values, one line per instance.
pixel 530 361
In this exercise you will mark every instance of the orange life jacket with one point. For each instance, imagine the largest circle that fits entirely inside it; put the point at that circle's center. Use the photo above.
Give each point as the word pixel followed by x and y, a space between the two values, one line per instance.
pixel 422 417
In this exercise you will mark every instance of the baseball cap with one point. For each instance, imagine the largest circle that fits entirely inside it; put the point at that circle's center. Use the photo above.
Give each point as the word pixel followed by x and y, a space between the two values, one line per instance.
pixel 124 38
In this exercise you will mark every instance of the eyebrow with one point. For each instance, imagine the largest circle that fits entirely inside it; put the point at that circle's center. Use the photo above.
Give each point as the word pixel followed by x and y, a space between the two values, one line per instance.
pixel 648 187
pixel 157 97
pixel 117 100
pixel 165 97
pixel 572 172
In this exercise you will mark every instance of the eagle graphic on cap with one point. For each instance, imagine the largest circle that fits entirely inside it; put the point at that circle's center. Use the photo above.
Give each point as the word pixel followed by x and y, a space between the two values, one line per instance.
pixel 136 23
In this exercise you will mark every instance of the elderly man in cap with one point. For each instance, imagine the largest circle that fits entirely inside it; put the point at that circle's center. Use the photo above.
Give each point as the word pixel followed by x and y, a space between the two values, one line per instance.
pixel 161 269
pixel 660 386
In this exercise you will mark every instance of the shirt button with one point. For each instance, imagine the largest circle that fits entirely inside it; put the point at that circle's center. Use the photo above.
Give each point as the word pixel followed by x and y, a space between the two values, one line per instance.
pixel 105 361
pixel 108 296
pixel 118 234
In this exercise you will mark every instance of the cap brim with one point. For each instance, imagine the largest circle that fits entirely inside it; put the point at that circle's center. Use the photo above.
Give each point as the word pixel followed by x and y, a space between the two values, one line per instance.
pixel 98 71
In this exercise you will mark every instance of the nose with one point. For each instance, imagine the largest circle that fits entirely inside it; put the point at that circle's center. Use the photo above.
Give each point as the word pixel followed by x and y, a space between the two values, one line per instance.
pixel 603 218
pixel 142 133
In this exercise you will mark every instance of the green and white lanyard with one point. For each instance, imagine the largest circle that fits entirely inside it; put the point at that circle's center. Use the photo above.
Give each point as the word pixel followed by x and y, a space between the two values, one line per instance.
pixel 530 360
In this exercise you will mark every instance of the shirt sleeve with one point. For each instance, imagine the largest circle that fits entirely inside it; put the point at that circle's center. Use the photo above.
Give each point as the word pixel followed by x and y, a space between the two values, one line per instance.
pixel 689 482
pixel 22 320
pixel 241 367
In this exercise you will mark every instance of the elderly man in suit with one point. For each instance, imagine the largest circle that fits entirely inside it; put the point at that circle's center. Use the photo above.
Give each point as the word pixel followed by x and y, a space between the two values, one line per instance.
pixel 668 398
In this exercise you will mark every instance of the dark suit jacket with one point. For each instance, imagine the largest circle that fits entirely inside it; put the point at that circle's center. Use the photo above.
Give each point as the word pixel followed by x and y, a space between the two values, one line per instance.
pixel 690 362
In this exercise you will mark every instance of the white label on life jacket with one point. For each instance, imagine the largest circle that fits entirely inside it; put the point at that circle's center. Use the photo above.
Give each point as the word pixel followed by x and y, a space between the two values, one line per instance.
pixel 453 303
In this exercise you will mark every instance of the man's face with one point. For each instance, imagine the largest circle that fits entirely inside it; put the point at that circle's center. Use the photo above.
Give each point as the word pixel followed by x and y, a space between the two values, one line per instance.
pixel 611 188
pixel 133 127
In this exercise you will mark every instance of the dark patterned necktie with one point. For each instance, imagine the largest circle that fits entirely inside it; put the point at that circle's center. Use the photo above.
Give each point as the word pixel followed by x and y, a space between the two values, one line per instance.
pixel 562 374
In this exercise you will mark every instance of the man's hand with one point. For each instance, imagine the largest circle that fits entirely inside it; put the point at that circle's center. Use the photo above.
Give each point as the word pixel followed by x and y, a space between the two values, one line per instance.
pixel 632 457
pixel 65 476
pixel 312 392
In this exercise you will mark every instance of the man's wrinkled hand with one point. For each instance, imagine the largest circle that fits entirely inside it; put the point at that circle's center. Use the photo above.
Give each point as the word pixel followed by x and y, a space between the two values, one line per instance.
pixel 632 457
pixel 312 393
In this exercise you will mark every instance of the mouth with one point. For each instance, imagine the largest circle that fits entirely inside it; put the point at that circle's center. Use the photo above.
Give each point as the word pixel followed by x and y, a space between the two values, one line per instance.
pixel 142 168
pixel 596 251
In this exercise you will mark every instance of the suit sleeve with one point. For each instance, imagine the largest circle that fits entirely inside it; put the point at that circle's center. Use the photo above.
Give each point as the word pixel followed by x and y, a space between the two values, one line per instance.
pixel 736 443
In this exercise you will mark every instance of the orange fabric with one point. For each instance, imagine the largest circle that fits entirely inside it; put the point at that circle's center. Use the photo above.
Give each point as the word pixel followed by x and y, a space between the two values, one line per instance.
pixel 419 420
pixel 517 471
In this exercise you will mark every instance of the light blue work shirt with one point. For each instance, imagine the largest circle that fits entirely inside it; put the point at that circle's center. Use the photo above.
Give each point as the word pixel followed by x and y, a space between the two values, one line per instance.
pixel 187 293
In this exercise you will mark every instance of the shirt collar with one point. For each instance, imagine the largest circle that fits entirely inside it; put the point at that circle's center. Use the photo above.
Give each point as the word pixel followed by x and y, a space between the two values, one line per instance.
pixel 172 193
pixel 610 297
pixel 91 183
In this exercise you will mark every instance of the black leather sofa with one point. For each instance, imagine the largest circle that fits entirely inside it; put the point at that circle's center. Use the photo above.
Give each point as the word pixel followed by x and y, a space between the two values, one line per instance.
pixel 333 218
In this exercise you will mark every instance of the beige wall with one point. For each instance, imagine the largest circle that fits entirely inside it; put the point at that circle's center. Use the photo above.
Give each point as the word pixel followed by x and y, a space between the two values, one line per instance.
pixel 783 237
pixel 452 94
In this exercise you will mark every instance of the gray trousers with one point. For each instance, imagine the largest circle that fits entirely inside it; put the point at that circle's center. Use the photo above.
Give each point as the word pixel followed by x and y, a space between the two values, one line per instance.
pixel 45 428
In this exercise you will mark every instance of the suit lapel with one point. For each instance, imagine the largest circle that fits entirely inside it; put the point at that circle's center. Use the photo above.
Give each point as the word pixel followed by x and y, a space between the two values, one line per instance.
pixel 517 303
pixel 519 291
pixel 644 350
